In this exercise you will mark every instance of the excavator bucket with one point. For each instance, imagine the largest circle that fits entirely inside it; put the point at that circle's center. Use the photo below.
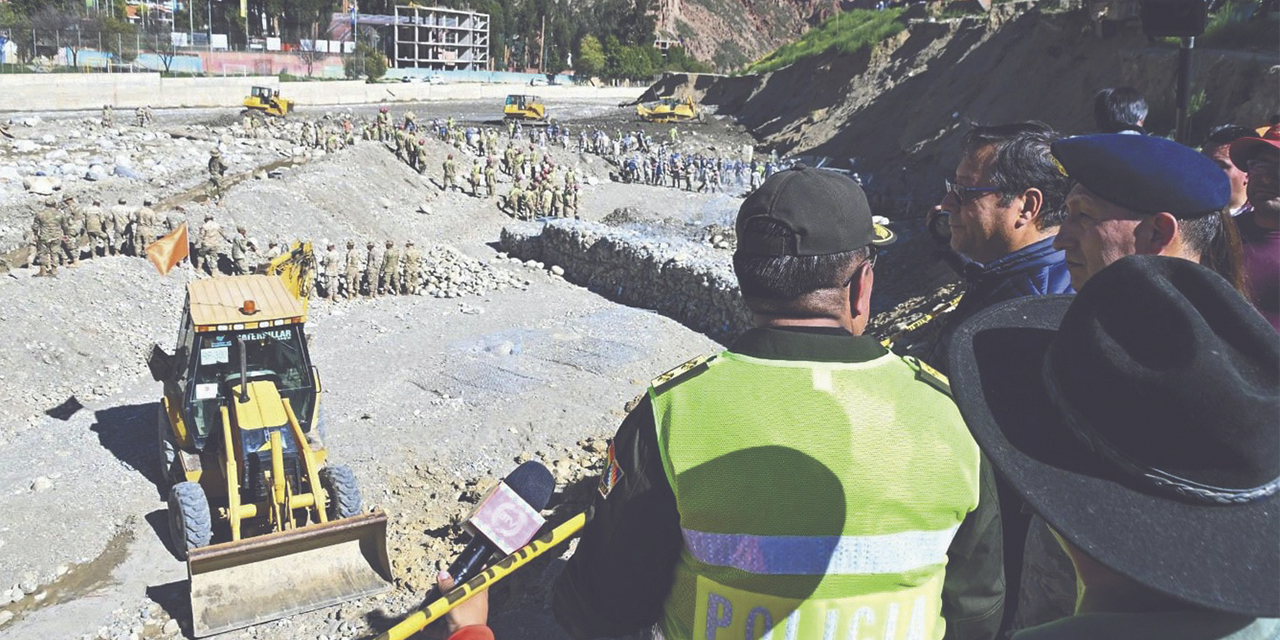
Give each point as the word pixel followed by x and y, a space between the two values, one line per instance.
pixel 264 578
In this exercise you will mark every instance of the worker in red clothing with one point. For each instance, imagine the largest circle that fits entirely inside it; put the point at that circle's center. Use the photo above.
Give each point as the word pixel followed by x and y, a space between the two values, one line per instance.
pixel 467 620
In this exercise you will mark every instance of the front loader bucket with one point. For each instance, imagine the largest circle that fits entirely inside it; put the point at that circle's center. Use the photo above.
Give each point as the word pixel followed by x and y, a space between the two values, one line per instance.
pixel 248 582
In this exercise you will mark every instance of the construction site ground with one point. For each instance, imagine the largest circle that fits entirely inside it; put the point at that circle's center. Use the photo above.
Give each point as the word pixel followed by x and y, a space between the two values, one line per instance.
pixel 428 399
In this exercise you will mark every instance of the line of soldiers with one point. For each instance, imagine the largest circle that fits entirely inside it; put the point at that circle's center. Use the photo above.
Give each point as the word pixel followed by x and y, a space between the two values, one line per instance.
pixel 142 116
pixel 65 233
pixel 371 272
pixel 210 241
pixel 327 134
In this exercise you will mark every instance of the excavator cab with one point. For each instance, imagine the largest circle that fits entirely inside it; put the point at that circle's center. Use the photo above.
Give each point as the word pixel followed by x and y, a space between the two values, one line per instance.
pixel 241 447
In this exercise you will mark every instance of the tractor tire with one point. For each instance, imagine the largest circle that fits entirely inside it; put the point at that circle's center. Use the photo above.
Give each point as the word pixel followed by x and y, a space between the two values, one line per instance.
pixel 344 495
pixel 166 452
pixel 190 524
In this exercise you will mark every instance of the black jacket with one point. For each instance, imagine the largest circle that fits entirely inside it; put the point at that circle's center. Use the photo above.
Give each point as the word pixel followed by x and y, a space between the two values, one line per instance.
pixel 617 580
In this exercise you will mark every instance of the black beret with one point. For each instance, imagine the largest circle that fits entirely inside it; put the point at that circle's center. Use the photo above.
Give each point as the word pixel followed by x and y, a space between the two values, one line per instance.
pixel 1145 174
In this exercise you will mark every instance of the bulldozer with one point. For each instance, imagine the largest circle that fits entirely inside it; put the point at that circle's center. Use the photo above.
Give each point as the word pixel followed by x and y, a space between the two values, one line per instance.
pixel 267 525
pixel 267 101
pixel 522 107
pixel 670 109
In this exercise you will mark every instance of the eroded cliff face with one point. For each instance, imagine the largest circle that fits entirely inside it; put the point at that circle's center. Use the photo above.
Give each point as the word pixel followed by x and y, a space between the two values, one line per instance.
pixel 896 113
pixel 731 33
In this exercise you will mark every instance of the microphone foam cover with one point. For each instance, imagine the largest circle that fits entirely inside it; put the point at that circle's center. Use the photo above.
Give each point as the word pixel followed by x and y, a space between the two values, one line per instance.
pixel 532 482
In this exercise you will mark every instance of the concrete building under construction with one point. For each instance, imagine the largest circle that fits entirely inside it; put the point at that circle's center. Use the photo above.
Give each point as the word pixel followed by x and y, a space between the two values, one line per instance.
pixel 440 39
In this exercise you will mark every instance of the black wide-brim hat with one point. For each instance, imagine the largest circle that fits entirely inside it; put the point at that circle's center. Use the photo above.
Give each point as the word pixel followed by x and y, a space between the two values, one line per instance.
pixel 1134 342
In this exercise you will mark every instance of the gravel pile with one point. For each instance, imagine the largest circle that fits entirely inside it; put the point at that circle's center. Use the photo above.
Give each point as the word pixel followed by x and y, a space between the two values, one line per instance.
pixel 687 281
pixel 448 273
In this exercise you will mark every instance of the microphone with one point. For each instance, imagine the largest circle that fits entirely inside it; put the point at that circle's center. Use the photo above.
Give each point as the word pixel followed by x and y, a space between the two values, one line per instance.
pixel 506 519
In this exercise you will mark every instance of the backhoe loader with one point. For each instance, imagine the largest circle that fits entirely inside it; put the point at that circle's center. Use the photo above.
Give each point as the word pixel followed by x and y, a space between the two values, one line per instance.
pixel 267 526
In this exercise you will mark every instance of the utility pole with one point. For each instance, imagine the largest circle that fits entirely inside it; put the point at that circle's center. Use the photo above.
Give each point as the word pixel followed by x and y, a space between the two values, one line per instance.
pixel 542 47
pixel 210 5
pixel 1182 91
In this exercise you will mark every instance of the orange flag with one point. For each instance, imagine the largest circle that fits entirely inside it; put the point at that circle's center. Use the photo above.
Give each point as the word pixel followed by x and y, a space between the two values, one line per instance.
pixel 168 251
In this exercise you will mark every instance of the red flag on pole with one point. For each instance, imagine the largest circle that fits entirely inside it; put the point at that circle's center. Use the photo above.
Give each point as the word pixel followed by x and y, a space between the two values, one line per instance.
pixel 168 251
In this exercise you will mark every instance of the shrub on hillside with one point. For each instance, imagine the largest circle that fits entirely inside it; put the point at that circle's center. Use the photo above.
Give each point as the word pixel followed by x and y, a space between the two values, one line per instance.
pixel 846 32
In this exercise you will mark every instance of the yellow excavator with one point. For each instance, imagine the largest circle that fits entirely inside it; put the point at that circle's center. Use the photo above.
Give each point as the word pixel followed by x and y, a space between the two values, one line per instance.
pixel 670 109
pixel 521 107
pixel 267 101
pixel 267 525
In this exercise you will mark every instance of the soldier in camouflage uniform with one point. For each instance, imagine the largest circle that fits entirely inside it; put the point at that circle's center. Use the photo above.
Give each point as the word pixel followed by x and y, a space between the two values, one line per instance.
pixel 383 124
pixel 491 179
pixel 413 149
pixel 95 227
pixel 117 223
pixel 145 227
pixel 476 177
pixel 72 230
pixel 330 277
pixel 352 280
pixel 389 276
pixel 210 242
pixel 450 174
pixel 513 200
pixel 240 251
pixel 411 276
pixel 217 169
pixel 401 138
pixel 47 231
pixel 371 263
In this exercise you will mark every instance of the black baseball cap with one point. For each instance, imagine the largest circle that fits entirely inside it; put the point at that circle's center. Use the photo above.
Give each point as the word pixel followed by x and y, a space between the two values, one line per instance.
pixel 825 211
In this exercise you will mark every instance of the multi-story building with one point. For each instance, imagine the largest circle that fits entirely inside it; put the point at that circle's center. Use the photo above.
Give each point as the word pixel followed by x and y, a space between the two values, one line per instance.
pixel 440 39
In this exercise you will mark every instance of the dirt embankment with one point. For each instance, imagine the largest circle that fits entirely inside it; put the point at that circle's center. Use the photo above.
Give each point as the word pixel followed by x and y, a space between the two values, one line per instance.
pixel 896 114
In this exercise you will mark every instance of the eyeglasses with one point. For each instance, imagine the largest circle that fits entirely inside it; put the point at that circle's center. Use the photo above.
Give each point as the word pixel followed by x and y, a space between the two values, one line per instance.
pixel 967 194
pixel 872 254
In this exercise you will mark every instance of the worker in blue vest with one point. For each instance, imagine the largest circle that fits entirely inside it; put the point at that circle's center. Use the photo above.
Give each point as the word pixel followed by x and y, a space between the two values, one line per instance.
pixel 805 482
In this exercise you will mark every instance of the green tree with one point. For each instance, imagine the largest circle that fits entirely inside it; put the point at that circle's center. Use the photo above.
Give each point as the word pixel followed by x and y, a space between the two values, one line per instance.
pixel 365 61
pixel 590 61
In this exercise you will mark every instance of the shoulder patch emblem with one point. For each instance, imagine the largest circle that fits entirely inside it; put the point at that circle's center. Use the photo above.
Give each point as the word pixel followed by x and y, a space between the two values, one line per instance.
pixel 929 375
pixel 611 476
pixel 667 379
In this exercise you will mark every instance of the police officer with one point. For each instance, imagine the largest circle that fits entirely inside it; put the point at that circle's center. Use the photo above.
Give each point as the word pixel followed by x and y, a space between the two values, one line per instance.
pixel 808 480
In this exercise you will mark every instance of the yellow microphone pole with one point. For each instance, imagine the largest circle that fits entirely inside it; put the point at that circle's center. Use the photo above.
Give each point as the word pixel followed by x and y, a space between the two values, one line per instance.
pixel 486 579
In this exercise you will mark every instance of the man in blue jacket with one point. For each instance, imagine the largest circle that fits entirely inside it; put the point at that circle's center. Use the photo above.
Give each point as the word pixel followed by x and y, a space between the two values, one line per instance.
pixel 1006 202
pixel 1004 206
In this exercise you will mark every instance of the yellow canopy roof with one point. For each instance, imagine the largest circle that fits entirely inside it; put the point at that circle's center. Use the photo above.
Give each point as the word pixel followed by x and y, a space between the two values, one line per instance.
pixel 221 300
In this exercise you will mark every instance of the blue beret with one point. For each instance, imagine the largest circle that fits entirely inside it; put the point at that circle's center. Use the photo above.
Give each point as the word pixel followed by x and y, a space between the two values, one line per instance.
pixel 1145 174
